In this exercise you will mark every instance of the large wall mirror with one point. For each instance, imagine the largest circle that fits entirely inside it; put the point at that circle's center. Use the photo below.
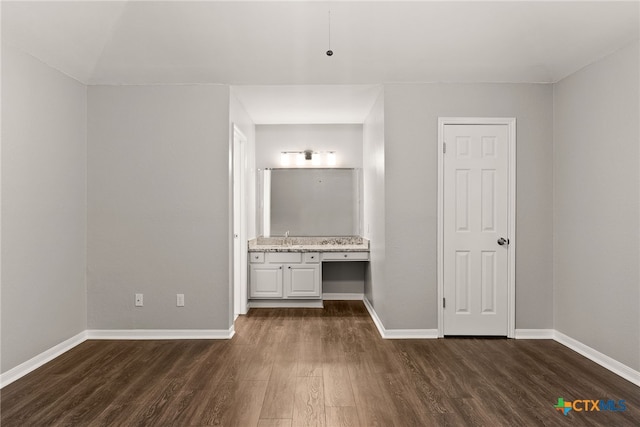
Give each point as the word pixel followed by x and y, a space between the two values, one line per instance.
pixel 310 202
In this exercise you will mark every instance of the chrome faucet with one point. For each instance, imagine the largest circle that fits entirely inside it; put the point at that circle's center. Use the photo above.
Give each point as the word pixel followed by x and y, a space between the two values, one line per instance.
pixel 285 238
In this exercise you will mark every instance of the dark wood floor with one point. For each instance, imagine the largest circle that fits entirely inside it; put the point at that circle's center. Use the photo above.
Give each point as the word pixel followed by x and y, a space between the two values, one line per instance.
pixel 312 367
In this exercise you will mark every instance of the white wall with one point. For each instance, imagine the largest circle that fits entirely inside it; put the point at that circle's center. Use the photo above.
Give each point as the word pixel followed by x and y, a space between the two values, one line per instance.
pixel 343 277
pixel 158 206
pixel 44 207
pixel 411 114
pixel 375 286
pixel 596 175
pixel 345 139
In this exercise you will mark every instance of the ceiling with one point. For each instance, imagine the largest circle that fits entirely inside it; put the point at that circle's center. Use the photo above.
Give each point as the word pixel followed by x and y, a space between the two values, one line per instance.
pixel 307 104
pixel 284 43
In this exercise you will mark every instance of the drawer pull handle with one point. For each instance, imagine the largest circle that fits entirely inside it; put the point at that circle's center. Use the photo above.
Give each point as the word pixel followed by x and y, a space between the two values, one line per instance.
pixel 345 255
pixel 289 267
pixel 312 257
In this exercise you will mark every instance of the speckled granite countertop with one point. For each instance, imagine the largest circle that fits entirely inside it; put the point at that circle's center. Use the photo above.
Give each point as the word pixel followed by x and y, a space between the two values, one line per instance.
pixel 309 244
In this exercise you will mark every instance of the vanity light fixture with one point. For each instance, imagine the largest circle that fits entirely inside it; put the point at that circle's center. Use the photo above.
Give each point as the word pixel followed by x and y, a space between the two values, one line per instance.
pixel 308 158
pixel 308 154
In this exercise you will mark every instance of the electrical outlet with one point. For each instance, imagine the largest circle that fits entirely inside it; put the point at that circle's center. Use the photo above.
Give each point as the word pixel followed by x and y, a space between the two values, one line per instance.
pixel 139 302
pixel 180 300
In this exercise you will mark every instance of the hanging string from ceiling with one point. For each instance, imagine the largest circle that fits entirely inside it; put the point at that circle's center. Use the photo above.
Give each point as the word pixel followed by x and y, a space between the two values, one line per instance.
pixel 329 52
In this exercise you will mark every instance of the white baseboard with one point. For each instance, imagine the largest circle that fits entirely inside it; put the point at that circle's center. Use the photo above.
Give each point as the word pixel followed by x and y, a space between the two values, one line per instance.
pixel 342 297
pixel 160 334
pixel 601 359
pixel 534 334
pixel 374 316
pixel 398 333
pixel 285 304
pixel 46 356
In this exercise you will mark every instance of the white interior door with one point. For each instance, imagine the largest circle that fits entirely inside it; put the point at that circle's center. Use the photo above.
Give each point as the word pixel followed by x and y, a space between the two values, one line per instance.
pixel 476 229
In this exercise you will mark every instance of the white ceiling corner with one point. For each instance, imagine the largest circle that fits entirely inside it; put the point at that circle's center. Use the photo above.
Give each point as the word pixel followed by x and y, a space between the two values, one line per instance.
pixel 69 36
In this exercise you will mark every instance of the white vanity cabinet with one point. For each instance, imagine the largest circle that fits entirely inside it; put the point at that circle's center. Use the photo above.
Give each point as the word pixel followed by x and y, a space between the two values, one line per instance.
pixel 266 281
pixel 285 275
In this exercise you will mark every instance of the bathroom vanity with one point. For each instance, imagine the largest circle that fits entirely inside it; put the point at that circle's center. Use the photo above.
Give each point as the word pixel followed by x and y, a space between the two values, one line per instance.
pixel 288 271
pixel 322 208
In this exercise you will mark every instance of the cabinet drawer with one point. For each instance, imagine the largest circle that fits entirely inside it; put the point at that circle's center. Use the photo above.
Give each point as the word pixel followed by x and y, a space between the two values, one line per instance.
pixel 284 257
pixel 256 257
pixel 311 257
pixel 345 256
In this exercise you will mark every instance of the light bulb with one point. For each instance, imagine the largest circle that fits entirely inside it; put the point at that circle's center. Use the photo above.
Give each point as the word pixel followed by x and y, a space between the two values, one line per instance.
pixel 331 158
pixel 315 159
pixel 284 158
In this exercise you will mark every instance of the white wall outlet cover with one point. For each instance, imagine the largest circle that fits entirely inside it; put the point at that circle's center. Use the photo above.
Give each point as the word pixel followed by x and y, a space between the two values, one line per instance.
pixel 180 300
pixel 139 300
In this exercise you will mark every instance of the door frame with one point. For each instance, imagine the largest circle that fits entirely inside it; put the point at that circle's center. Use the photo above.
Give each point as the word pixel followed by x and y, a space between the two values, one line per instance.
pixel 510 122
pixel 239 147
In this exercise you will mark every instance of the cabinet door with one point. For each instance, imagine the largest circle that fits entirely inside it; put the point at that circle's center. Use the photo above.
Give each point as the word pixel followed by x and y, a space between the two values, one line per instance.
pixel 303 281
pixel 266 281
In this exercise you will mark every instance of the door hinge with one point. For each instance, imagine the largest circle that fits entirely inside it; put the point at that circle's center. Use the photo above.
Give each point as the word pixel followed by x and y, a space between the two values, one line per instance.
pixel 444 147
pixel 444 303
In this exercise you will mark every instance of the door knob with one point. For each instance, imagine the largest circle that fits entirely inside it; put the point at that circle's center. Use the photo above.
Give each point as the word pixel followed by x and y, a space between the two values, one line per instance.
pixel 502 241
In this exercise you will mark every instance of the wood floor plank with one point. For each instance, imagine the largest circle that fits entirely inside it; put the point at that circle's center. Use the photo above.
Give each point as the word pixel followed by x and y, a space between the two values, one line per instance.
pixel 177 410
pixel 213 405
pixel 308 409
pixel 259 363
pixel 337 385
pixel 38 397
pixel 274 423
pixel 342 416
pixel 374 403
pixel 279 397
pixel 247 405
pixel 154 407
pixel 327 367
pixel 110 416
pixel 310 358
